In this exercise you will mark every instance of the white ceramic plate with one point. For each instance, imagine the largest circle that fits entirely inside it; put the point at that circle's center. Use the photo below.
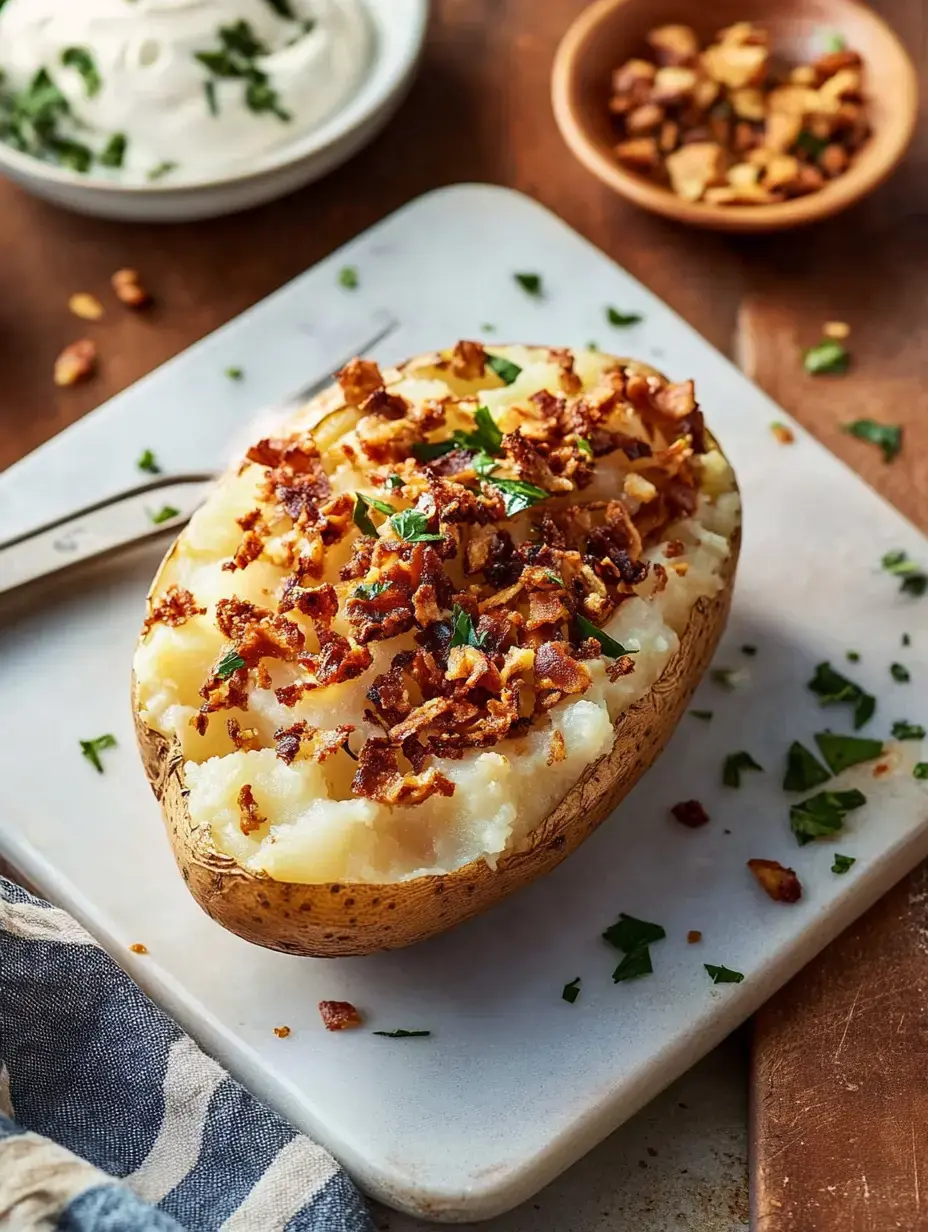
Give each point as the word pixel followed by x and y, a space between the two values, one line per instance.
pixel 399 32
pixel 514 1084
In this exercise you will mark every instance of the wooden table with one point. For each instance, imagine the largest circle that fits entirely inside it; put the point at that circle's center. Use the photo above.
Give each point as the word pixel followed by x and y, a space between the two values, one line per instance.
pixel 838 1080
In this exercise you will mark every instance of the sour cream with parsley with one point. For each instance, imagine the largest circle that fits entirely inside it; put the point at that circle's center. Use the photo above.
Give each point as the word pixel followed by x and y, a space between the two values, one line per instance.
pixel 174 90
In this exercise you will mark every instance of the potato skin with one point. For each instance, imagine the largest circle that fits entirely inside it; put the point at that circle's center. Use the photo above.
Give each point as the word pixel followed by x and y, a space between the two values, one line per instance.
pixel 338 920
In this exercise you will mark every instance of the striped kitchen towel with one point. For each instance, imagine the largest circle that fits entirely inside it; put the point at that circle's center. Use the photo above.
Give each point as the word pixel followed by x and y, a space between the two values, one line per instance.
pixel 112 1120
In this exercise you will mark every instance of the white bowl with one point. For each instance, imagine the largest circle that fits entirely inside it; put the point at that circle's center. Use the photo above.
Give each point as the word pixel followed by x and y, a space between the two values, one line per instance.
pixel 399 33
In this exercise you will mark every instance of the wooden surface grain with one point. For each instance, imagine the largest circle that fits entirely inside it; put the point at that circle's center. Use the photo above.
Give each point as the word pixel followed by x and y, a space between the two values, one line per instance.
pixel 838 1112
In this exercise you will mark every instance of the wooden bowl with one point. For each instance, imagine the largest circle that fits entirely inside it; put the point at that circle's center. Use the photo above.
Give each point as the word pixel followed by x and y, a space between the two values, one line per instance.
pixel 610 32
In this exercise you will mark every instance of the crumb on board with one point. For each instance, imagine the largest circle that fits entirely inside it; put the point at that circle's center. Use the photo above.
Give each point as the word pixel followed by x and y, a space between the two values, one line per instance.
pixel 138 948
pixel 282 1032
pixel 85 306
pixel 693 936
pixel 339 1015
pixel 782 433
pixel 77 362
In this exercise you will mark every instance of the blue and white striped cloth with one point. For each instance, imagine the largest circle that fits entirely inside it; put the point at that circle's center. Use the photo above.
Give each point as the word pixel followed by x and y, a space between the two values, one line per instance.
pixel 112 1120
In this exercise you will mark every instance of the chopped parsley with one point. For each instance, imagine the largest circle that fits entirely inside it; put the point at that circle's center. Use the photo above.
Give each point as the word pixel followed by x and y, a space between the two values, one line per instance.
pixel 584 446
pixel 914 579
pixel 370 590
pixel 571 991
pixel 394 482
pixel 427 451
pixel 803 769
pixel 160 171
pixel 832 689
pixel 887 437
pixel 487 328
pixel 609 645
pixel 348 277
pixel 283 8
pixel 517 494
pixel 906 640
pixel 530 284
pixel 486 436
pixel 113 153
pixel 750 651
pixel 842 863
pixel 834 42
pixel 900 673
pixel 92 749
pixel 842 752
pixel 148 462
pixel 236 58
pixel 629 933
pixel 361 517
pixel 29 121
pixel 553 577
pixel 908 731
pixel 413 526
pixel 401 1033
pixel 622 319
pixel 920 770
pixel 705 715
pixel 230 662
pixel 723 975
pixel 463 632
pixel 212 102
pixel 826 356
pixel 80 58
pixel 164 514
pixel 504 369
pixel 634 964
pixel 235 374
pixel 734 764
pixel 823 814
pixel 810 143
pixel 852 656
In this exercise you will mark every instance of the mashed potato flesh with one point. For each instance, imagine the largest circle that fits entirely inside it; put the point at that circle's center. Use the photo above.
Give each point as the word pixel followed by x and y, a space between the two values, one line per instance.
pixel 312 827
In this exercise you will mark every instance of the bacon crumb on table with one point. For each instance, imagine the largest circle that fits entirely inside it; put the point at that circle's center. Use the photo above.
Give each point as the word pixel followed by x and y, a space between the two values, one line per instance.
pixel 779 883
pixel 690 813
pixel 693 936
pixel 138 948
pixel 281 1032
pixel 339 1015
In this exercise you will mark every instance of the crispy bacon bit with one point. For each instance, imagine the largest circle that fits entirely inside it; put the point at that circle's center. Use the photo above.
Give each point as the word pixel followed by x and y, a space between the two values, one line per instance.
pixel 693 936
pixel 623 666
pixel 339 1015
pixel 338 660
pixel 676 547
pixel 247 551
pixel 243 738
pixel 546 607
pixel 358 380
pixel 175 607
pixel 426 715
pixel 556 669
pixel 468 361
pixel 127 284
pixel 289 739
pixel 690 813
pixel 257 632
pixel 77 362
pixel 782 433
pixel 558 750
pixel 282 1032
pixel 378 777
pixel 319 603
pixel 676 401
pixel 249 817
pixel 331 741
pixel 779 883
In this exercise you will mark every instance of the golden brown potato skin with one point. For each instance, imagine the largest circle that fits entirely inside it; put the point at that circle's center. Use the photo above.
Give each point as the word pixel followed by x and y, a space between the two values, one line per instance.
pixel 332 920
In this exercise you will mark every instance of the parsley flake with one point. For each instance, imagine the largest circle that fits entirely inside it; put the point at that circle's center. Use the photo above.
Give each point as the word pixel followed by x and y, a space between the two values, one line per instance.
pixel 148 462
pixel 236 58
pixel 832 689
pixel 584 446
pixel 212 101
pixel 900 673
pixel 803 769
pixel 734 764
pixel 903 730
pixel 571 991
pixel 810 143
pixel 622 320
pixel 750 651
pixel 401 1033
pixel 842 863
pixel 705 715
pixel 231 661
pixel 113 153
pixel 906 640
pixel 728 677
pixel 160 171
pixel 530 284
pixel 370 590
pixel 283 8
pixel 413 526
pixel 823 814
pixel 629 933
pixel 852 656
pixel 427 451
pixel 486 436
pixel 92 749
pixel 504 368
pixel 517 494
pixel 887 437
pixel 914 579
pixel 723 975
pixel 633 965
pixel 348 278
pixel 463 632
pixel 361 517
pixel 834 42
pixel 842 752
pixel 80 58
pixel 826 357
pixel 164 514
pixel 394 482
pixel 235 374
pixel 609 645
pixel 920 770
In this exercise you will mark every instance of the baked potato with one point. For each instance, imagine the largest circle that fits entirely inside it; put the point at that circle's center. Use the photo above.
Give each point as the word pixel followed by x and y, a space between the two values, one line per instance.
pixel 414 649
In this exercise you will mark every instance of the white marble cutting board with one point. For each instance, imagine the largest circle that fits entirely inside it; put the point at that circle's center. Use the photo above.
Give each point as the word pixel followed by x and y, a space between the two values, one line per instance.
pixel 514 1084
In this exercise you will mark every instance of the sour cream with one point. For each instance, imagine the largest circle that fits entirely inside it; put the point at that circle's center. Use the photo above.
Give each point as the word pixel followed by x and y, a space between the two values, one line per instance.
pixel 181 90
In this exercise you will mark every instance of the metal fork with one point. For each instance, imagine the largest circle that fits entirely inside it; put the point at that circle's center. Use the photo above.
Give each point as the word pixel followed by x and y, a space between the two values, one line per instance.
pixel 132 517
